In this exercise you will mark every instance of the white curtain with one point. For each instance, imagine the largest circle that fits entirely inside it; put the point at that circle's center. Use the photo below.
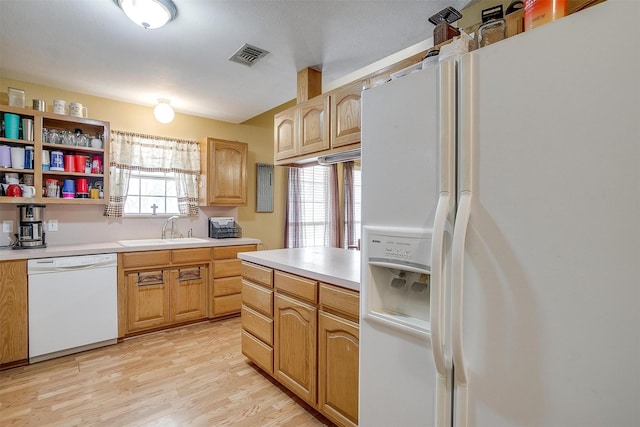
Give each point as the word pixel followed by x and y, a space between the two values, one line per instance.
pixel 132 151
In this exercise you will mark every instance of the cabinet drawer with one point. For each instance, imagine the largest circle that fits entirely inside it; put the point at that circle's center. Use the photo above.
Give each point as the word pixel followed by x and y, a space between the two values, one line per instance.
pixel 257 297
pixel 257 274
pixel 344 301
pixel 300 287
pixel 191 255
pixel 227 267
pixel 260 353
pixel 259 325
pixel 227 286
pixel 226 252
pixel 227 304
pixel 146 259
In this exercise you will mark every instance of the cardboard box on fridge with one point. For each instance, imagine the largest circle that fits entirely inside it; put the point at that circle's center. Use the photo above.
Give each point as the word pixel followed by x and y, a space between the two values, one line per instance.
pixel 514 23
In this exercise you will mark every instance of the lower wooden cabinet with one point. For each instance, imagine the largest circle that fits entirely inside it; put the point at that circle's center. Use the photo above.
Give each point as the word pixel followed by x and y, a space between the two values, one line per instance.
pixel 338 348
pixel 226 280
pixel 157 289
pixel 294 346
pixel 306 335
pixel 13 313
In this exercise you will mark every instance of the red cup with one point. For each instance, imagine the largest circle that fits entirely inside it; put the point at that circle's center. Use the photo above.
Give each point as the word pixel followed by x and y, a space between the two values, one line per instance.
pixel 82 186
pixel 96 164
pixel 69 162
pixel 79 163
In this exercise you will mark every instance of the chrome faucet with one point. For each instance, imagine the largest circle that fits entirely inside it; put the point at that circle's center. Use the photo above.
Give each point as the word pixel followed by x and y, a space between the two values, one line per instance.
pixel 172 219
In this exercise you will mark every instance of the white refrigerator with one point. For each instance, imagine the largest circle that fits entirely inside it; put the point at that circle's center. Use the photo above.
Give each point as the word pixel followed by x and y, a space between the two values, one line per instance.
pixel 501 233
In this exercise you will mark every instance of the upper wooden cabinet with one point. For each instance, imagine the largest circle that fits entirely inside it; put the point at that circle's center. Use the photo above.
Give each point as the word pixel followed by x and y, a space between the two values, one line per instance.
pixel 224 173
pixel 313 125
pixel 345 115
pixel 284 134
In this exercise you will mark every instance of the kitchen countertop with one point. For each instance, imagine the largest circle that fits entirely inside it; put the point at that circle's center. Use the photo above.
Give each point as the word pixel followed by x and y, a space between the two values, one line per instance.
pixel 113 247
pixel 335 266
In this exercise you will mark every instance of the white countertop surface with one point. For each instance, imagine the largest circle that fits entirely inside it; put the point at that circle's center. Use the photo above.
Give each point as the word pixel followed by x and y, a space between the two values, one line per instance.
pixel 335 266
pixel 113 247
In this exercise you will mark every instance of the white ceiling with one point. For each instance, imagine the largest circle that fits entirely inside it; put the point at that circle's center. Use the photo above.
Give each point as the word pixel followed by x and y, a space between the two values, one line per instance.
pixel 90 46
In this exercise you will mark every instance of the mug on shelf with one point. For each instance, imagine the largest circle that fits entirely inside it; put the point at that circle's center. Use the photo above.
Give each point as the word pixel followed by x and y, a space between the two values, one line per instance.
pixel 69 160
pixel 11 125
pixel 79 163
pixel 69 189
pixel 39 105
pixel 5 156
pixel 52 187
pixel 57 161
pixel 17 157
pixel 46 158
pixel 28 190
pixel 27 129
pixel 59 106
pixel 27 179
pixel 77 110
pixel 11 178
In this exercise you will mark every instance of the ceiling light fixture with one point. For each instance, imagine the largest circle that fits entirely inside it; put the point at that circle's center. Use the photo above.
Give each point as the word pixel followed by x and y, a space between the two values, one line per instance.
pixel 149 14
pixel 163 111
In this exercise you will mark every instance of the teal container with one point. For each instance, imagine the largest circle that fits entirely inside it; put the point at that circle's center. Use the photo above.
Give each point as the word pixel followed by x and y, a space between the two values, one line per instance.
pixel 11 125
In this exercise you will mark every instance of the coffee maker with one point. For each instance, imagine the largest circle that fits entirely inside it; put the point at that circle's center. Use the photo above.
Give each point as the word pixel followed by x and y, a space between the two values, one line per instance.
pixel 30 227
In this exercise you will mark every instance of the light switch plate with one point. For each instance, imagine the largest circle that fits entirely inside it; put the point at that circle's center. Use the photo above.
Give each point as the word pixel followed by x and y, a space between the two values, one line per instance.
pixel 53 225
pixel 7 226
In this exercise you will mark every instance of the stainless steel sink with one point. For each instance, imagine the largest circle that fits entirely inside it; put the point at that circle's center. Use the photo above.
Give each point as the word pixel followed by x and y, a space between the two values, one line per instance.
pixel 156 242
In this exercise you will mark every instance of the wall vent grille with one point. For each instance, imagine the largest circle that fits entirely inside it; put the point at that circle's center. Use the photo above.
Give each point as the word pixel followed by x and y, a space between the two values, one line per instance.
pixel 248 55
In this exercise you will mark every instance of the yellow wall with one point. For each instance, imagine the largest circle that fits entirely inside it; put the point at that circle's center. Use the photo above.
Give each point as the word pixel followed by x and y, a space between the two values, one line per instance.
pixel 257 132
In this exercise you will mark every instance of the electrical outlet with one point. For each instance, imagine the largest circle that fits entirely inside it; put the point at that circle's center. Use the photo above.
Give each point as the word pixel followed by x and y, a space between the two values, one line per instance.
pixel 7 226
pixel 53 225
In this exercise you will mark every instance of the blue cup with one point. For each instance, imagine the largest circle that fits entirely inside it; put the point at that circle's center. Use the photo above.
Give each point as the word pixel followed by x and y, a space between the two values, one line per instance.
pixel 69 188
pixel 11 125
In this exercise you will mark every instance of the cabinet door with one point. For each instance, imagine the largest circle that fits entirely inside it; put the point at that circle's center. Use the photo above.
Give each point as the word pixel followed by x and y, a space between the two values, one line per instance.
pixel 13 312
pixel 188 293
pixel 313 120
pixel 345 116
pixel 295 346
pixel 284 134
pixel 227 173
pixel 338 347
pixel 148 299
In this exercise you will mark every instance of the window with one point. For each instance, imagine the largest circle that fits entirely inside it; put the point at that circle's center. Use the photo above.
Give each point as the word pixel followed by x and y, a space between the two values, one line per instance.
pixel 308 197
pixel 151 192
pixel 313 217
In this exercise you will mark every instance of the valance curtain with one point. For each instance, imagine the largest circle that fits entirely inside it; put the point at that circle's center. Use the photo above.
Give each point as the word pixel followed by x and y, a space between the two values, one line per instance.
pixel 133 151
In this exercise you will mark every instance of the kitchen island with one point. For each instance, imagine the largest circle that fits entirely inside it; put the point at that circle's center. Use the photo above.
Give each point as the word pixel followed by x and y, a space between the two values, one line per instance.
pixel 300 324
pixel 336 266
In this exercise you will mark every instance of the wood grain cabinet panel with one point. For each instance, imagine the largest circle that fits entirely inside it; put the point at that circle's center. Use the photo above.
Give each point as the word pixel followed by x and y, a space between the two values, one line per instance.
pixel 338 369
pixel 345 115
pixel 257 274
pixel 225 292
pixel 257 297
pixel 188 293
pixel 297 286
pixel 223 173
pixel 260 353
pixel 146 259
pixel 258 324
pixel 294 364
pixel 147 299
pixel 313 129
pixel 13 313
pixel 285 134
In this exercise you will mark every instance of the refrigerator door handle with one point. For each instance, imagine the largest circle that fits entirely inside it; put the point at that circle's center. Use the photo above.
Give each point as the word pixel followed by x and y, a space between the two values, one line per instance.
pixel 457 270
pixel 437 313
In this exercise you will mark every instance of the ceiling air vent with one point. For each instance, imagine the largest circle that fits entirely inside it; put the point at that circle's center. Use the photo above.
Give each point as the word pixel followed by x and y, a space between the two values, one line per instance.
pixel 248 55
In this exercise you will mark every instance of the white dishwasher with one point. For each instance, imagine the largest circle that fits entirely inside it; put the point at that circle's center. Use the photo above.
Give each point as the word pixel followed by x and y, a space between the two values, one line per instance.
pixel 73 304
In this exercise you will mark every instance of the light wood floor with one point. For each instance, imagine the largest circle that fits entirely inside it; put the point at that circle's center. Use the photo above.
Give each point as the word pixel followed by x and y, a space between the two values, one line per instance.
pixel 191 376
